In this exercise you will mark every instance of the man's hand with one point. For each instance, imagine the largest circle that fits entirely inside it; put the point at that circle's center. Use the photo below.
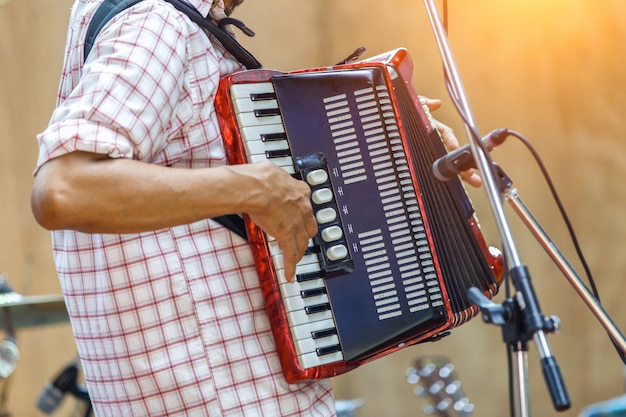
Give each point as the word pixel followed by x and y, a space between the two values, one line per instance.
pixel 451 143
pixel 287 214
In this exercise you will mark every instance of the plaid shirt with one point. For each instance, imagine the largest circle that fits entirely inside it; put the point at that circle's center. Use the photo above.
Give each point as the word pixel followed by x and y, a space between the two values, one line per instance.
pixel 170 322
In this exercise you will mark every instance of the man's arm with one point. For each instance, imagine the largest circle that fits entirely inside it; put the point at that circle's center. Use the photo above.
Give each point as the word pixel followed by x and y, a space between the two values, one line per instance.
pixel 96 194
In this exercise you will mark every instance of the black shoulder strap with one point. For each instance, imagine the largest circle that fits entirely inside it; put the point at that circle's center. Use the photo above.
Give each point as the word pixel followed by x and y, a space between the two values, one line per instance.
pixel 109 8
pixel 107 11
pixel 228 42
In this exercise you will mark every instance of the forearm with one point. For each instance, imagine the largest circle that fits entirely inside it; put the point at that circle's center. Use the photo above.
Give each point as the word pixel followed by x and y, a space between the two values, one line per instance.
pixel 96 194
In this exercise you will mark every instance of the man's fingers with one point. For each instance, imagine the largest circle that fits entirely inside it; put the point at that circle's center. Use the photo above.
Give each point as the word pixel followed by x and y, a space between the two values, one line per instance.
pixel 296 247
pixel 311 227
pixel 447 136
pixel 431 103
pixel 290 259
pixel 472 178
pixel 450 141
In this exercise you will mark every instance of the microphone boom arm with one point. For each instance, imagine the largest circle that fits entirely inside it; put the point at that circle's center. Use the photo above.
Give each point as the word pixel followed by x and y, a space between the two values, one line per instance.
pixel 512 196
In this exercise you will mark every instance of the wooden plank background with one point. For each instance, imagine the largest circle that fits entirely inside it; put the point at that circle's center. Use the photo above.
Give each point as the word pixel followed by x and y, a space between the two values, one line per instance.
pixel 553 71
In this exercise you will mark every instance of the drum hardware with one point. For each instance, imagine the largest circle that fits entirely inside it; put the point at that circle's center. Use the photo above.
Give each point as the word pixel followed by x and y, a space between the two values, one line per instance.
pixel 9 351
pixel 66 382
pixel 435 379
pixel 29 310
pixel 19 311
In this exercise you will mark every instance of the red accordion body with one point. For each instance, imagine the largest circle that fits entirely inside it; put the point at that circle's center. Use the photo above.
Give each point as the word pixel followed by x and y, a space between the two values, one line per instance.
pixel 396 250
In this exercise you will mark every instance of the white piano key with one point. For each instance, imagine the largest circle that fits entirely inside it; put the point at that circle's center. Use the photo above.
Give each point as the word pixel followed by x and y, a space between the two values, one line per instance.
pixel 238 91
pixel 273 246
pixel 285 162
pixel 315 356
pixel 275 250
pixel 247 105
pixel 305 269
pixel 311 360
pixel 255 132
pixel 308 263
pixel 257 147
pixel 309 345
pixel 250 119
pixel 293 289
pixel 304 264
pixel 257 158
pixel 304 331
pixel 298 303
pixel 300 317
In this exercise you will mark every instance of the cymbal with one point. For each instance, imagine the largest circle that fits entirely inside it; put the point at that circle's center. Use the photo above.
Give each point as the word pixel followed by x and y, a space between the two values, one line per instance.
pixel 32 310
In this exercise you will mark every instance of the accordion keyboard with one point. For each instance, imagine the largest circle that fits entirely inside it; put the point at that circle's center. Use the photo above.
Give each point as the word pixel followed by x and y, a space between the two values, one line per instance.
pixel 306 302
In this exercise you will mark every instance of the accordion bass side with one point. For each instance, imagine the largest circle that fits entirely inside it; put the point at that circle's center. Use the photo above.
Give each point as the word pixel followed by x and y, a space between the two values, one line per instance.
pixel 396 249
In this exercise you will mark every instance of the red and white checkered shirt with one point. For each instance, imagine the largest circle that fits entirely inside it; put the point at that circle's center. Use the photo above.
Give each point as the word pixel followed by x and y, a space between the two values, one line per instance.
pixel 170 322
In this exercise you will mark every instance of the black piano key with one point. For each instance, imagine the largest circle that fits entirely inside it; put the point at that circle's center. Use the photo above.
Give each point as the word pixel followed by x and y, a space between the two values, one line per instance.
pixel 312 250
pixel 262 96
pixel 313 292
pixel 318 334
pixel 317 308
pixel 309 276
pixel 268 137
pixel 328 350
pixel 277 153
pixel 267 112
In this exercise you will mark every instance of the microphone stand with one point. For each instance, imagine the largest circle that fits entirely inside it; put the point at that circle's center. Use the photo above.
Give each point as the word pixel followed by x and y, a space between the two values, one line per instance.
pixel 521 316
pixel 80 393
pixel 512 196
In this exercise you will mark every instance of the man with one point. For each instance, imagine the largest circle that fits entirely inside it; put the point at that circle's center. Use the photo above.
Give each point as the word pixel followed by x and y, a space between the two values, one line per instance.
pixel 164 303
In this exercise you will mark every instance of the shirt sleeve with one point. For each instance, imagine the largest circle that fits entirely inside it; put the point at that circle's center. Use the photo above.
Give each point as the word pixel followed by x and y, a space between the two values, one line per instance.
pixel 129 91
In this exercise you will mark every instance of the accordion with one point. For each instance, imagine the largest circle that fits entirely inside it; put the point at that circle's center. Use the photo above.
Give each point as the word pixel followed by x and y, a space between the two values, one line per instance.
pixel 396 250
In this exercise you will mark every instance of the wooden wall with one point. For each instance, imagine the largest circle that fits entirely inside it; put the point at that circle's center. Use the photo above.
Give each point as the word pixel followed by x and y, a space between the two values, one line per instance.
pixel 553 71
pixel 32 35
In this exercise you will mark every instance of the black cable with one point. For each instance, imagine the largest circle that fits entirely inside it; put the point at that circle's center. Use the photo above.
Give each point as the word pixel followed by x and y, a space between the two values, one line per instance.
pixel 561 208
pixel 569 226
